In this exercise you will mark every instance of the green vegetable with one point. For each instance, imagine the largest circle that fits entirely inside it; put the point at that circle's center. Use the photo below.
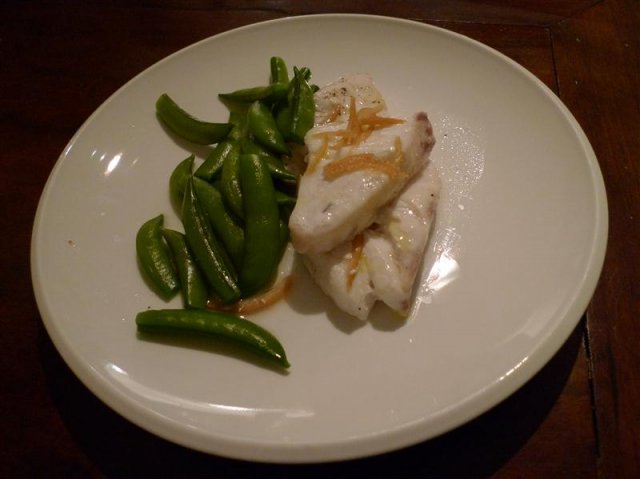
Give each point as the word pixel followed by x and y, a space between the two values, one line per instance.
pixel 178 181
pixel 234 210
pixel 279 72
pixel 238 331
pixel 262 230
pixel 283 199
pixel 212 165
pixel 224 227
pixel 155 258
pixel 208 253
pixel 262 125
pixel 275 164
pixel 186 126
pixel 267 94
pixel 238 121
pixel 283 121
pixel 302 107
pixel 230 183
pixel 192 284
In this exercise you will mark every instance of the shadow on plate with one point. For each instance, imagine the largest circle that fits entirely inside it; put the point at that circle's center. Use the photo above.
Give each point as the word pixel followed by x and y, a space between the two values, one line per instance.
pixel 307 299
pixel 118 448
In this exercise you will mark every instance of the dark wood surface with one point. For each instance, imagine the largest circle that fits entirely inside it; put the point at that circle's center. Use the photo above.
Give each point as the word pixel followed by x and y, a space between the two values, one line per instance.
pixel 578 418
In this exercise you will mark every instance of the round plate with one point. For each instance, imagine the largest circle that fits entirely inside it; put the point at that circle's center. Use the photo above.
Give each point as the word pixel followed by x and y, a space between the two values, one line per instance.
pixel 513 260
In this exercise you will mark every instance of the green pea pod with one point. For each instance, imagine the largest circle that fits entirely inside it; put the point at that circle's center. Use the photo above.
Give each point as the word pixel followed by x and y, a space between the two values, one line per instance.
pixel 188 127
pixel 283 199
pixel 262 230
pixel 155 258
pixel 224 227
pixel 283 122
pixel 278 170
pixel 212 165
pixel 208 253
pixel 275 165
pixel 279 72
pixel 238 121
pixel 262 125
pixel 238 331
pixel 230 184
pixel 302 108
pixel 192 284
pixel 268 94
pixel 178 181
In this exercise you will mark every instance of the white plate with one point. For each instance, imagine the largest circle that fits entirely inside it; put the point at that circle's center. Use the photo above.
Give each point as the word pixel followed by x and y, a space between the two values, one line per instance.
pixel 514 260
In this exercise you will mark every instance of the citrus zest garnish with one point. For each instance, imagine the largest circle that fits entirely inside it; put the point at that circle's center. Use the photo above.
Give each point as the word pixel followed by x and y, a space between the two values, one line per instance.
pixel 318 156
pixel 360 125
pixel 363 161
pixel 258 302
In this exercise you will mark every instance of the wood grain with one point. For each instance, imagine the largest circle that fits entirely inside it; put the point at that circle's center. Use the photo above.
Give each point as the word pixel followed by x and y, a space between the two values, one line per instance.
pixel 578 418
pixel 597 57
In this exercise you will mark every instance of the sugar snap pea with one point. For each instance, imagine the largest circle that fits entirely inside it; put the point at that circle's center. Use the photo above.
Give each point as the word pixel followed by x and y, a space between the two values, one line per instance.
pixel 230 183
pixel 224 227
pixel 178 181
pixel 192 284
pixel 262 125
pixel 302 107
pixel 208 253
pixel 275 164
pixel 238 120
pixel 239 331
pixel 283 199
pixel 262 230
pixel 268 94
pixel 234 210
pixel 188 127
pixel 279 72
pixel 212 165
pixel 155 258
pixel 283 121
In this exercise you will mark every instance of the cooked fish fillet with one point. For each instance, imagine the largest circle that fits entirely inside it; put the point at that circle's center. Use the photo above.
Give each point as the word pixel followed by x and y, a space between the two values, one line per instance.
pixel 367 198
pixel 359 159
pixel 391 253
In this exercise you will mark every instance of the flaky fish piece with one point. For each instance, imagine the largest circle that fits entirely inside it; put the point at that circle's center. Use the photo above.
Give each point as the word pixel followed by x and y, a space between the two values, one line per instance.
pixel 367 199
pixel 382 262
pixel 359 159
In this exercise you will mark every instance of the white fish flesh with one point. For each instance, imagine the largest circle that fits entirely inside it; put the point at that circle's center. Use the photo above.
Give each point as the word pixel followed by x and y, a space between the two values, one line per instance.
pixel 352 170
pixel 367 199
pixel 391 254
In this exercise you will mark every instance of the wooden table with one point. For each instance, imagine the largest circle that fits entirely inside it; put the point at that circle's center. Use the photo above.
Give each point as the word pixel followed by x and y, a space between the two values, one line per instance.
pixel 579 417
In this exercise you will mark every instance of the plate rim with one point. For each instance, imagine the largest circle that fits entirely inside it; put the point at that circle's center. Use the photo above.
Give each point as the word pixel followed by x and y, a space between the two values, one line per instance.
pixel 365 445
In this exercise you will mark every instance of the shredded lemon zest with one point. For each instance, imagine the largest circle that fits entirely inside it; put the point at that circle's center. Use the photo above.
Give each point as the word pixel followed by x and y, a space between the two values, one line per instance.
pixel 315 159
pixel 364 161
pixel 359 126
pixel 259 302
